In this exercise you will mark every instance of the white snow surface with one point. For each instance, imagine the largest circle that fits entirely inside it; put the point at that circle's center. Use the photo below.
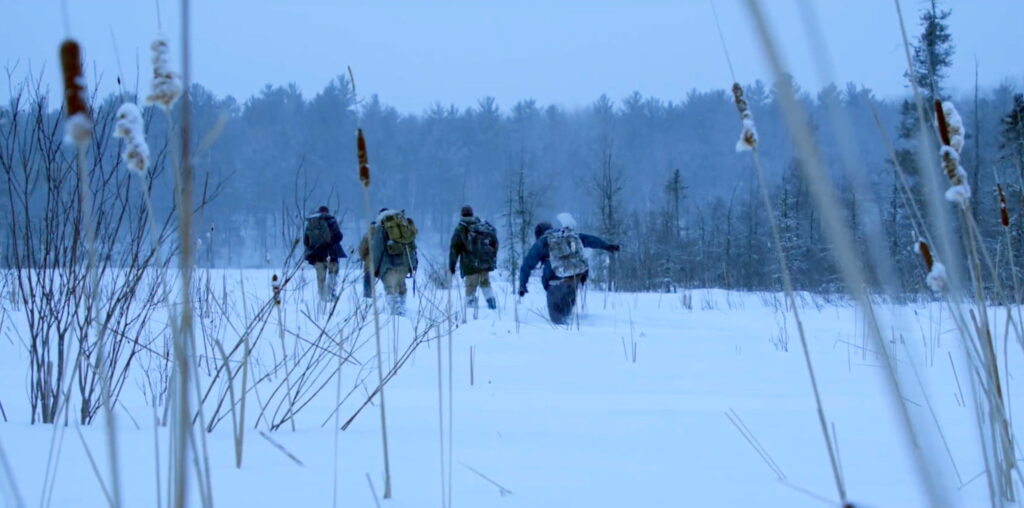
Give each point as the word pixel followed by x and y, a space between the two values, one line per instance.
pixel 624 408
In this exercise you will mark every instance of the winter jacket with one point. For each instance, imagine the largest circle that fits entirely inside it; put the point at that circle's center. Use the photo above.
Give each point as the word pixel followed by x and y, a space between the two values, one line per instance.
pixel 468 265
pixel 539 254
pixel 332 250
pixel 384 260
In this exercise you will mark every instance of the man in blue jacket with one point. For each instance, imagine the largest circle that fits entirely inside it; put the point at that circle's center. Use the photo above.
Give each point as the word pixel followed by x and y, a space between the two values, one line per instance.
pixel 561 253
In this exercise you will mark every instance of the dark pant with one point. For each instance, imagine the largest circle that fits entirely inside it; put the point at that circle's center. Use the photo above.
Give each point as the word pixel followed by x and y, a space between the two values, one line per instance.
pixel 562 299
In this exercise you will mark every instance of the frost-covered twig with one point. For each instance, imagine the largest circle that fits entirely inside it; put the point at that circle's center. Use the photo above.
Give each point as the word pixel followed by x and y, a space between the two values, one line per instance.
pixel 282 449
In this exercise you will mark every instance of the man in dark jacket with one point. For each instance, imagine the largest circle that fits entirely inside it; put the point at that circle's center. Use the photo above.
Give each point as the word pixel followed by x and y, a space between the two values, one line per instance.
pixel 561 291
pixel 474 246
pixel 322 241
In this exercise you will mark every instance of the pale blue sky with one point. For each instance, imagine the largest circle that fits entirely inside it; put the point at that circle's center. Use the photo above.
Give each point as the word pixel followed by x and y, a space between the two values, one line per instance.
pixel 415 53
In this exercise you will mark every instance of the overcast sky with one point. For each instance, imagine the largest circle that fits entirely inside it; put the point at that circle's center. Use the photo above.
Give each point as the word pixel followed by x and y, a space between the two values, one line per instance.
pixel 417 52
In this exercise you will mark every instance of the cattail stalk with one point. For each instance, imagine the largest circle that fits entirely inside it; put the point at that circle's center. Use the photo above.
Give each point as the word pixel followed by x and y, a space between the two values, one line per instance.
pixel 837 234
pixel 79 130
pixel 748 142
pixel 364 177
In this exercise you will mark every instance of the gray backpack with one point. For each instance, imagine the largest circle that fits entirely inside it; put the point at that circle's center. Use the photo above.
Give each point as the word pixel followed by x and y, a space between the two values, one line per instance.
pixel 318 231
pixel 566 252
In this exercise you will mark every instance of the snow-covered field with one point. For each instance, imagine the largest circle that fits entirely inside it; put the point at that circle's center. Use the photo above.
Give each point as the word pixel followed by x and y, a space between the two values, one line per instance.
pixel 634 405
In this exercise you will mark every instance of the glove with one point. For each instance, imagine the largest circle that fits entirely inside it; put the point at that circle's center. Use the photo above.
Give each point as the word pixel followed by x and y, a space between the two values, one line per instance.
pixel 614 247
pixel 522 292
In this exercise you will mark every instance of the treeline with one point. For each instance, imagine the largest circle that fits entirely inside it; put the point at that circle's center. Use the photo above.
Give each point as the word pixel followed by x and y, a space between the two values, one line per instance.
pixel 660 177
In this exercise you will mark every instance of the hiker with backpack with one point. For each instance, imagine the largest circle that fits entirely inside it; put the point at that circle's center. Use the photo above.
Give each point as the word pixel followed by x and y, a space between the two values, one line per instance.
pixel 392 248
pixel 474 247
pixel 322 240
pixel 565 267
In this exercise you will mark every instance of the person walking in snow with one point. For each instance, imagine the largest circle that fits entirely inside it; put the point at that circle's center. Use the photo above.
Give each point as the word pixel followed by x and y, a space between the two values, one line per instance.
pixel 322 241
pixel 474 246
pixel 391 250
pixel 565 268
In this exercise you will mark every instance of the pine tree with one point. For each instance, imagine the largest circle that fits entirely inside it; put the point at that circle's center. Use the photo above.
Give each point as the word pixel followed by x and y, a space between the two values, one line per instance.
pixel 1012 134
pixel 932 57
pixel 933 52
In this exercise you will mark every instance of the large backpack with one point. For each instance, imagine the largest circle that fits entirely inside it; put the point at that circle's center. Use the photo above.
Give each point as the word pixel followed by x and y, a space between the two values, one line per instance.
pixel 566 252
pixel 318 231
pixel 401 233
pixel 481 241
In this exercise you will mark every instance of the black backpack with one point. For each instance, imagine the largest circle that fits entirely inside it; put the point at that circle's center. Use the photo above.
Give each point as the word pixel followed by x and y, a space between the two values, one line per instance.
pixel 318 231
pixel 481 241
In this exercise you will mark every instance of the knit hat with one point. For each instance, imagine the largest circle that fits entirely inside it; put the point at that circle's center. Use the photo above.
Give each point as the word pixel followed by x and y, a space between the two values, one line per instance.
pixel 467 211
pixel 541 228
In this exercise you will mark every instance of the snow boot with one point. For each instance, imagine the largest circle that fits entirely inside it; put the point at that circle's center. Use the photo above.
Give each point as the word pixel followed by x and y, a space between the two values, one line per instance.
pixel 492 303
pixel 396 304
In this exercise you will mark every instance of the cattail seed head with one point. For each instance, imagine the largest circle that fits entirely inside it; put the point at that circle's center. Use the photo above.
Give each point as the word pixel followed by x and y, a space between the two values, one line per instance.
pixel 78 126
pixel 959 190
pixel 166 86
pixel 954 126
pixel 951 132
pixel 364 160
pixel 936 278
pixel 748 136
pixel 1004 214
pixel 940 118
pixel 132 130
pixel 926 254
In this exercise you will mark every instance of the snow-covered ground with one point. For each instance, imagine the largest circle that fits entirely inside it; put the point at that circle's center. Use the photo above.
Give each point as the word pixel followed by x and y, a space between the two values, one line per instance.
pixel 627 407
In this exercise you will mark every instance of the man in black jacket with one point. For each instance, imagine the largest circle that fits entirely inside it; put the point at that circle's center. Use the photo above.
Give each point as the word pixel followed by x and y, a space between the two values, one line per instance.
pixel 322 240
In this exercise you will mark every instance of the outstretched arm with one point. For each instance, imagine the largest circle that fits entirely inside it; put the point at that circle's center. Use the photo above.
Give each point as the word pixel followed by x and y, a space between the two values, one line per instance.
pixel 593 242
